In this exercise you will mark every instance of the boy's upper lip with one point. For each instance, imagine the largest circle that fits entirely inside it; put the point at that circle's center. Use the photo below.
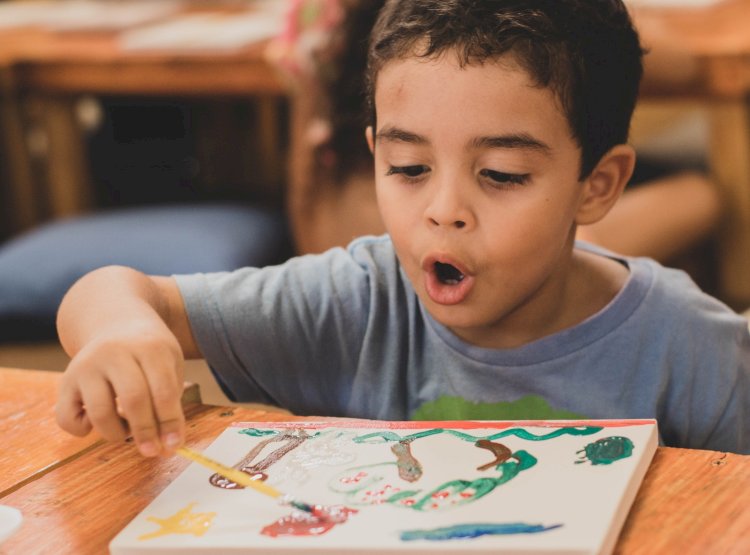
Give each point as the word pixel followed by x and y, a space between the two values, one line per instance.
pixel 428 263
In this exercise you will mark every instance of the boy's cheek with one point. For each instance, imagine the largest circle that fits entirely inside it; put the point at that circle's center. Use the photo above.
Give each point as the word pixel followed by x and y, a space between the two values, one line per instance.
pixel 397 213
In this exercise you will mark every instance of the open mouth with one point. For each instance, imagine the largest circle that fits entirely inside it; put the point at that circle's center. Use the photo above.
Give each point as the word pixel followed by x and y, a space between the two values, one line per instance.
pixel 448 274
pixel 446 281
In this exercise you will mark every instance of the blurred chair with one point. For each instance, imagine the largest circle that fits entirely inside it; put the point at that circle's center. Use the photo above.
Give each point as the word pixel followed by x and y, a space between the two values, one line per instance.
pixel 38 267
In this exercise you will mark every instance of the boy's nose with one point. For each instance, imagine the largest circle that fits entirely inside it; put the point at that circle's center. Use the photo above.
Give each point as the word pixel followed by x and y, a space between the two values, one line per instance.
pixel 447 208
pixel 457 223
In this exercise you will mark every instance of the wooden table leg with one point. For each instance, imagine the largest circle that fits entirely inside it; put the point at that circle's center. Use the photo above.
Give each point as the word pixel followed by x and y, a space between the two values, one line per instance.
pixel 254 127
pixel 68 180
pixel 730 166
pixel 270 122
pixel 24 211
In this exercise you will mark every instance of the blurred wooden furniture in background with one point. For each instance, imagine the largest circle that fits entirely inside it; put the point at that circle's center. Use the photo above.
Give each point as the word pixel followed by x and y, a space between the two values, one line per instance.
pixel 702 54
pixel 50 70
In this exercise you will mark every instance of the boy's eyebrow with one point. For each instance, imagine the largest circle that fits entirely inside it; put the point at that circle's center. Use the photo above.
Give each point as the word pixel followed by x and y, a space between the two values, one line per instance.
pixel 394 134
pixel 511 141
pixel 514 140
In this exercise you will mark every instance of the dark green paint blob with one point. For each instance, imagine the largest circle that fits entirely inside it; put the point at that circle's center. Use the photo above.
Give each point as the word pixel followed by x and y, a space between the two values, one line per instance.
pixel 530 407
pixel 606 450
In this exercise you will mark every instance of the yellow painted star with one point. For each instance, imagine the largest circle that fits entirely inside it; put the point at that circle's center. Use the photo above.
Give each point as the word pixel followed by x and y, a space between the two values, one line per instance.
pixel 182 522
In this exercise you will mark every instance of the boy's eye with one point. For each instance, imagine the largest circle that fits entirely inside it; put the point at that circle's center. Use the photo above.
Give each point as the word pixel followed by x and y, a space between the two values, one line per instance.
pixel 410 172
pixel 503 178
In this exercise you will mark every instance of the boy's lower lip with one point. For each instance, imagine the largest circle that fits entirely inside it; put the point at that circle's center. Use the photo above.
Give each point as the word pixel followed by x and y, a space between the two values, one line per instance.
pixel 447 294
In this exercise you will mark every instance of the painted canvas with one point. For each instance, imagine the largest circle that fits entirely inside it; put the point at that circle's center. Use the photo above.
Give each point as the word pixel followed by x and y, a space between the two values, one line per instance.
pixel 531 487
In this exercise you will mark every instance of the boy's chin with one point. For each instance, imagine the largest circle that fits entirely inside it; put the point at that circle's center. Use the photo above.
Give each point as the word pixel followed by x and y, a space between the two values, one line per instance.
pixel 459 319
pixel 476 327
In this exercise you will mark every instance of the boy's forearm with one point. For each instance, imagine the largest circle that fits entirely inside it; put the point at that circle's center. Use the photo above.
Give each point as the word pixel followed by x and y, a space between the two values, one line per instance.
pixel 107 298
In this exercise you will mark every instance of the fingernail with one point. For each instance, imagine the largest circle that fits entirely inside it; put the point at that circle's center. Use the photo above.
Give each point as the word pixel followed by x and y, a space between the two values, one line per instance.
pixel 172 439
pixel 148 449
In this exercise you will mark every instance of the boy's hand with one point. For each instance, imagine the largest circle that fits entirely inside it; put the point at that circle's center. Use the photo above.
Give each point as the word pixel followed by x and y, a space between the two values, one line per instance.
pixel 127 334
pixel 123 383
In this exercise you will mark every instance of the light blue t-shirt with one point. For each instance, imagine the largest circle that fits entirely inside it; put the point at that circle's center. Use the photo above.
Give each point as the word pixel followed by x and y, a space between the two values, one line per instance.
pixel 343 333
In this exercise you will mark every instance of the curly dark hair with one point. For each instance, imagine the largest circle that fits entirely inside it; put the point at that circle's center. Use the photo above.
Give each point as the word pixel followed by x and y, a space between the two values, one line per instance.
pixel 586 51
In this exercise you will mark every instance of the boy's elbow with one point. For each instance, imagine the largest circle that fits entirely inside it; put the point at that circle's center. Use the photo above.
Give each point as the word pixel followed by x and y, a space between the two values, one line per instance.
pixel 103 287
pixel 105 274
pixel 113 271
pixel 99 282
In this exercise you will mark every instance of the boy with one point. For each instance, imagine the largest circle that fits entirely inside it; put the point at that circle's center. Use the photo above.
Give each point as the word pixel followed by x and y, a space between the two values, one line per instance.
pixel 497 128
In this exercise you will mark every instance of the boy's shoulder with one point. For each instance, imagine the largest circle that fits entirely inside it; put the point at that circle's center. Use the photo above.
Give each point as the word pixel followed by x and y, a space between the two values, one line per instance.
pixel 374 253
pixel 367 259
pixel 365 255
pixel 668 298
pixel 380 245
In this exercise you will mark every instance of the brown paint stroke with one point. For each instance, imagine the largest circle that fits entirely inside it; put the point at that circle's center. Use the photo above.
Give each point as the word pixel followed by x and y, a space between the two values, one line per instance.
pixel 409 468
pixel 291 439
pixel 501 452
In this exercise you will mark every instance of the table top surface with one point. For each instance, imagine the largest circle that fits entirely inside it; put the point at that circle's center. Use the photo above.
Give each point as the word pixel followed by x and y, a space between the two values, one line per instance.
pixel 713 29
pixel 95 61
pixel 700 51
pixel 691 501
pixel 36 57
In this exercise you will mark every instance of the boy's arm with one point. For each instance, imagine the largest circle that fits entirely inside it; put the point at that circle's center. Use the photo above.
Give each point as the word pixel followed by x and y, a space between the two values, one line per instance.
pixel 127 334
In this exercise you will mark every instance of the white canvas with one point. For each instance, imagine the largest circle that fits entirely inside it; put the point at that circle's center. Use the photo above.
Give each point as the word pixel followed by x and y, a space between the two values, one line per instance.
pixel 544 487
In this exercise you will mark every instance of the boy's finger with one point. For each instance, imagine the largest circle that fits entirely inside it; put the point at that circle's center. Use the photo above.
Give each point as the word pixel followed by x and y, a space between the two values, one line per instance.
pixel 164 377
pixel 69 411
pixel 99 405
pixel 135 403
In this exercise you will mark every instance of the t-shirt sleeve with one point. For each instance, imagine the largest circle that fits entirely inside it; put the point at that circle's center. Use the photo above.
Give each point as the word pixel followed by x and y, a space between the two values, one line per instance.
pixel 708 401
pixel 723 395
pixel 285 335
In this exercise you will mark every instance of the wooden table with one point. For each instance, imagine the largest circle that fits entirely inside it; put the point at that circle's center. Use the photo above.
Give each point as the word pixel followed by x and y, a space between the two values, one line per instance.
pixel 77 494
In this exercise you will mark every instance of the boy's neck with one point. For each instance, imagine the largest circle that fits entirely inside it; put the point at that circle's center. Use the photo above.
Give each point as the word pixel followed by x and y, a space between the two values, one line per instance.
pixel 592 282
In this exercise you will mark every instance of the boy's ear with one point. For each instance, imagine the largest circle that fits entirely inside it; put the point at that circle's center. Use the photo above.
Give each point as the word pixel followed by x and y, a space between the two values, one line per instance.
pixel 605 184
pixel 370 139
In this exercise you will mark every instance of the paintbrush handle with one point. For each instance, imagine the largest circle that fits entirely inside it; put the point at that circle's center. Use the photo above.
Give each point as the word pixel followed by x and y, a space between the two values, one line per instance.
pixel 229 473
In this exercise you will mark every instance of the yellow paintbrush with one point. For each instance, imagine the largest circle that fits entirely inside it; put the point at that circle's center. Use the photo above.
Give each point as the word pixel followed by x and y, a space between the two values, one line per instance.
pixel 244 479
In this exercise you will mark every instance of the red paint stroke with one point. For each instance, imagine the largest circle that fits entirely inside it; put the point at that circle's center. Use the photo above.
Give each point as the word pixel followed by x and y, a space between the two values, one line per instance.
pixel 301 523
pixel 354 479
pixel 354 423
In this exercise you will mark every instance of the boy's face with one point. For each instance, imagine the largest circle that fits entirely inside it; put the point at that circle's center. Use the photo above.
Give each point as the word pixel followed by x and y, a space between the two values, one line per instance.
pixel 477 184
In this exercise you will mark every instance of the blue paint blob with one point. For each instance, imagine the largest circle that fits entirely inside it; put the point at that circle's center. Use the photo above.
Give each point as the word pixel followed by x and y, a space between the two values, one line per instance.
pixel 470 531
